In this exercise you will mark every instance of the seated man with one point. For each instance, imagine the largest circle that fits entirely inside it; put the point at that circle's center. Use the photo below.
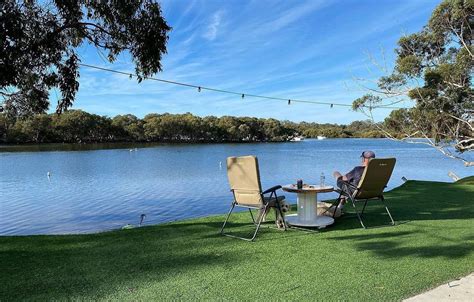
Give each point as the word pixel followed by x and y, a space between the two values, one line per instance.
pixel 354 175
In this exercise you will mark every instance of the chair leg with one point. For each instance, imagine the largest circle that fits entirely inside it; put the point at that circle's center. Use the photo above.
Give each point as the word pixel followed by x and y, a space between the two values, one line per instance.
pixel 355 209
pixel 335 204
pixel 257 228
pixel 261 213
pixel 227 217
pixel 386 209
pixel 251 215
pixel 363 209
pixel 276 212
pixel 259 222
pixel 365 204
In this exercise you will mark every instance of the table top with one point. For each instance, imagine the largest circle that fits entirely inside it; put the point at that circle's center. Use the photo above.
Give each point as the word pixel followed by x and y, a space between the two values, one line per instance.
pixel 307 189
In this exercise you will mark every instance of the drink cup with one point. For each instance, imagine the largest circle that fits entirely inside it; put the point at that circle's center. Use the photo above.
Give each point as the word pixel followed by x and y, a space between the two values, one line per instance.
pixel 299 183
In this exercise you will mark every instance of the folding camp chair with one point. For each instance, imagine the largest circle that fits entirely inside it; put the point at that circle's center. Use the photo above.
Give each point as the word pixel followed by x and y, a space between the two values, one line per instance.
pixel 244 180
pixel 371 185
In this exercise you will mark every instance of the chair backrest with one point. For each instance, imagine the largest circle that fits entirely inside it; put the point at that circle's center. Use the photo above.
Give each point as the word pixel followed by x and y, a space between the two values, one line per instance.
pixel 375 178
pixel 244 180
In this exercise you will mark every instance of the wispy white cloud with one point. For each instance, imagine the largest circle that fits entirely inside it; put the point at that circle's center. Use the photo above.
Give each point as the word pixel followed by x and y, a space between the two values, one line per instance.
pixel 293 49
pixel 213 27
pixel 291 15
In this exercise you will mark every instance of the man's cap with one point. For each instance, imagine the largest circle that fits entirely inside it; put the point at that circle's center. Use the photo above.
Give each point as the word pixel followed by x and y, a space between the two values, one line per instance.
pixel 368 154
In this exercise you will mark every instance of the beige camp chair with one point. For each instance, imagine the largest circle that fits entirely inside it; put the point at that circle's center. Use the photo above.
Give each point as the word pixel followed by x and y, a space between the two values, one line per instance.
pixel 244 180
pixel 371 185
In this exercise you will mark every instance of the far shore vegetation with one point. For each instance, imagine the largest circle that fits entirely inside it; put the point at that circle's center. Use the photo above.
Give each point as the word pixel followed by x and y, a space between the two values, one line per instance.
pixel 77 126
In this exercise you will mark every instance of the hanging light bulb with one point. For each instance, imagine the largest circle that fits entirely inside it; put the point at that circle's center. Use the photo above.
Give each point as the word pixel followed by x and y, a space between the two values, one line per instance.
pixel 289 102
pixel 243 95
pixel 130 76
pixel 199 89
pixel 332 105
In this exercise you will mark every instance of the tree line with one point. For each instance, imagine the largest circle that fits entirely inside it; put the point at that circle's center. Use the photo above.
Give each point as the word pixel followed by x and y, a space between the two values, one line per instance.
pixel 77 126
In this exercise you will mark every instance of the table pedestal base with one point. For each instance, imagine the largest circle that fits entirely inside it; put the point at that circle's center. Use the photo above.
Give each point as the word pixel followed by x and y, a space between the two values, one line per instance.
pixel 319 222
pixel 307 216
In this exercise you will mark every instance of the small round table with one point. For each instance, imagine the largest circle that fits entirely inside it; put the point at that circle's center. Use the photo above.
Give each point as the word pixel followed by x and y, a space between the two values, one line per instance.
pixel 307 198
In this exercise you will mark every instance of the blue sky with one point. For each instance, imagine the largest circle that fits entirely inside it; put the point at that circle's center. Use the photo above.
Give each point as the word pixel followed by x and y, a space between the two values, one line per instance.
pixel 310 50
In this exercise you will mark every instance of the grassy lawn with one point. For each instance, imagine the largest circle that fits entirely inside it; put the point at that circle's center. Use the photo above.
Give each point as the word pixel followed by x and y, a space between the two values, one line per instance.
pixel 432 243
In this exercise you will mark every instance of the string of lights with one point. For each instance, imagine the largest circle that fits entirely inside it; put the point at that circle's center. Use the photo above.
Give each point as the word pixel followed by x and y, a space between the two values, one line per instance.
pixel 241 94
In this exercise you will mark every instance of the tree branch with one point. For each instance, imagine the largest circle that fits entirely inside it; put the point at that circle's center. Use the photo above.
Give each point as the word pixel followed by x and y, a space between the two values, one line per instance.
pixel 461 39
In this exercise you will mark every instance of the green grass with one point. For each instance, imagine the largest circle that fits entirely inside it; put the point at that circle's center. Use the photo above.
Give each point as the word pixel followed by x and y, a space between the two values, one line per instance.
pixel 466 180
pixel 432 243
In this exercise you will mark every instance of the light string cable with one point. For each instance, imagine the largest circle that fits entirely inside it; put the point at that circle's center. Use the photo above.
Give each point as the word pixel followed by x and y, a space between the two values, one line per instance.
pixel 241 94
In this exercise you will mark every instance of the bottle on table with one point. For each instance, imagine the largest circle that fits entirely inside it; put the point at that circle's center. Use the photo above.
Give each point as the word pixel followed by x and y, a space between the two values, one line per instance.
pixel 322 180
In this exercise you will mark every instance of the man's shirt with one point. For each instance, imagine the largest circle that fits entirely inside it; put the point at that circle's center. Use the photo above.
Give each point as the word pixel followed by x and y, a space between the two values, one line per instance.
pixel 355 175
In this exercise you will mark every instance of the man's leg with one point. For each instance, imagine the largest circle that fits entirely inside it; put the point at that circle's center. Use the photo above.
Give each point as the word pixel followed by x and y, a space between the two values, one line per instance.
pixel 340 183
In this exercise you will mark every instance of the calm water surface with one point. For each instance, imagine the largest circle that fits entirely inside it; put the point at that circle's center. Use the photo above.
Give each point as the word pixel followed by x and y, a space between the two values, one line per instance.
pixel 95 190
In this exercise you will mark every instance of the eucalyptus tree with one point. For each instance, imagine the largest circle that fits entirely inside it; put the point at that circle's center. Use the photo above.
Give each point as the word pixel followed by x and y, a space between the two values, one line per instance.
pixel 434 69
pixel 152 127
pixel 129 127
pixel 39 42
pixel 74 126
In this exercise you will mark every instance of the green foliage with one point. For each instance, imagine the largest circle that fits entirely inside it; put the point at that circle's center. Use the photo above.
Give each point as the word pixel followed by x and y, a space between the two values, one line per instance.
pixel 39 40
pixel 128 127
pixel 391 82
pixel 367 100
pixel 76 126
pixel 399 122
pixel 440 54
pixel 434 68
pixel 409 65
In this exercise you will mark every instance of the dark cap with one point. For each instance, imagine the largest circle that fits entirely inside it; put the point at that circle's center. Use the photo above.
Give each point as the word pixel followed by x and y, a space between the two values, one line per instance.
pixel 368 154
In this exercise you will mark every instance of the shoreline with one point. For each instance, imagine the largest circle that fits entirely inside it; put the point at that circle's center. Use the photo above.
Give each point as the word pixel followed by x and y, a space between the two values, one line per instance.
pixel 123 145
pixel 469 180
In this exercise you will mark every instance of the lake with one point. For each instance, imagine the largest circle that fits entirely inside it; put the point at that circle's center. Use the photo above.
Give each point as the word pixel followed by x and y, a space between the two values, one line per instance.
pixel 102 187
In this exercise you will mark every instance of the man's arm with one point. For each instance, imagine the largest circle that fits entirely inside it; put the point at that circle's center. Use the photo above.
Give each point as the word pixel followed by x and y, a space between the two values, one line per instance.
pixel 336 175
pixel 350 175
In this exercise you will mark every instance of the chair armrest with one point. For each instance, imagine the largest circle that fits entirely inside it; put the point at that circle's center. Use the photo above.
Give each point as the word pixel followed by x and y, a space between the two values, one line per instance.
pixel 272 189
pixel 350 185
